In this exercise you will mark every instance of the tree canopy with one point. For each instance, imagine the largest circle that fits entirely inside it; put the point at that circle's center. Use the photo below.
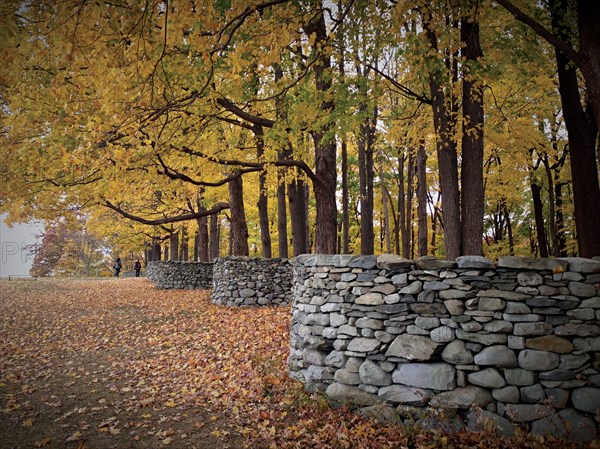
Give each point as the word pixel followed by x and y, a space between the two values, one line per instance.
pixel 441 128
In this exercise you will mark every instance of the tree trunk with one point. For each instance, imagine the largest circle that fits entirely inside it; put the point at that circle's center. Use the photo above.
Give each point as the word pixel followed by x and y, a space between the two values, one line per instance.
pixel 325 147
pixel 386 213
pixel 263 204
pixel 422 199
pixel 444 121
pixel 174 244
pixel 407 233
pixel 365 175
pixel 345 200
pixel 582 125
pixel 298 215
pixel 400 242
pixel 561 243
pixel 282 239
pixel 214 238
pixel 472 194
pixel 538 212
pixel 239 227
pixel 184 253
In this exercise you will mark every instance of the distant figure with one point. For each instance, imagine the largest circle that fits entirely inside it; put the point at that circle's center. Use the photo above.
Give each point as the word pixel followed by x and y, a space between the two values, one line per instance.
pixel 137 266
pixel 118 266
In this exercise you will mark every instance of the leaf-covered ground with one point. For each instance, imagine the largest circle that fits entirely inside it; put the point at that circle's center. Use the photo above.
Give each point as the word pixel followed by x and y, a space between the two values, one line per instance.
pixel 118 364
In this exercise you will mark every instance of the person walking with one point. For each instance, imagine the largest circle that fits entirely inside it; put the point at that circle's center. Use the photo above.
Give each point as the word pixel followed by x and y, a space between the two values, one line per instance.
pixel 137 266
pixel 118 266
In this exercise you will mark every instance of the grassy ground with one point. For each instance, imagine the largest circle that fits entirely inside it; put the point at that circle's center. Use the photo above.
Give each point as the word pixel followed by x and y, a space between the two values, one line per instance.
pixel 118 364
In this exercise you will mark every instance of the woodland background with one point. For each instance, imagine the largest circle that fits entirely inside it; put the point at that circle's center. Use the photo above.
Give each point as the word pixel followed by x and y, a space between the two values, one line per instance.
pixel 193 129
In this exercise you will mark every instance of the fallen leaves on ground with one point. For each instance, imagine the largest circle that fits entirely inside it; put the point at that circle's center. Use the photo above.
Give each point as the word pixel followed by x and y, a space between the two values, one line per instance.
pixel 117 363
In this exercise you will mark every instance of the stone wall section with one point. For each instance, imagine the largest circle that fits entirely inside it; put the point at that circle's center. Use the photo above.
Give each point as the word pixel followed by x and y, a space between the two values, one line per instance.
pixel 180 275
pixel 244 281
pixel 520 340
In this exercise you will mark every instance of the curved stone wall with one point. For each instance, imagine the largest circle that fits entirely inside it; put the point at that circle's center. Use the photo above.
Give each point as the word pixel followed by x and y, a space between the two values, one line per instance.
pixel 180 275
pixel 520 340
pixel 244 281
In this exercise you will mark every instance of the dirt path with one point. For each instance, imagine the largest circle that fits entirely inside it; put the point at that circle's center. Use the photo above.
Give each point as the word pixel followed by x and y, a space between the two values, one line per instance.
pixel 107 364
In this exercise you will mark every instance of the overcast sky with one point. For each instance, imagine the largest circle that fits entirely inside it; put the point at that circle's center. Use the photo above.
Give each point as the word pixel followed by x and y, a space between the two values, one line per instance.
pixel 15 260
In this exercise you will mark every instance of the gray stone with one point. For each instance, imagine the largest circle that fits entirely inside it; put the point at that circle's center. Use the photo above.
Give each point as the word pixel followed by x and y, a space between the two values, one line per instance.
pixel 433 309
pixel 457 353
pixel 531 359
pixel 532 264
pixel 464 398
pixel 528 329
pixel 427 323
pixel 573 361
pixel 522 318
pixel 591 303
pixel 346 393
pixel 454 306
pixel 557 374
pixel 529 278
pixel 491 304
pixel 586 399
pixel 400 279
pixel 399 394
pixel 381 413
pixel 484 339
pixel 582 265
pixel 516 342
pixel 414 288
pixel 353 364
pixel 347 377
pixel 566 424
pixel 582 290
pixel 499 327
pixel 508 394
pixel 316 373
pixel 369 323
pixel 384 289
pixel 337 319
pixel 346 329
pixel 362 344
pixel 474 262
pixel 247 293
pixel 587 344
pixel 480 420
pixel 455 294
pixel 393 262
pixel 442 334
pixel 336 359
pixel 435 286
pixel 414 330
pixel 519 377
pixel 578 330
pixel 320 319
pixel 413 347
pixel 516 308
pixel 370 299
pixel 527 412
pixel 488 378
pixel 503 294
pixel 533 394
pixel 314 357
pixel 365 262
pixel 557 397
pixel 499 356
pixel 431 263
pixel 433 376
pixel 372 374
pixel 427 296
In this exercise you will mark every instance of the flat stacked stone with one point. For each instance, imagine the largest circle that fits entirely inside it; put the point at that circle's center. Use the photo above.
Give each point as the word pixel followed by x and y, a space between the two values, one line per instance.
pixel 521 340
pixel 180 275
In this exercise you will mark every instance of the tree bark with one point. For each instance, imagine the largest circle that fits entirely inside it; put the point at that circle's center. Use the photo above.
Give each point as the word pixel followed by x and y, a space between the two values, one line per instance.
pixel 263 202
pixel 365 175
pixel 325 147
pixel 422 199
pixel 239 227
pixel 472 189
pixel 174 245
pixel 582 125
pixel 214 238
pixel 538 212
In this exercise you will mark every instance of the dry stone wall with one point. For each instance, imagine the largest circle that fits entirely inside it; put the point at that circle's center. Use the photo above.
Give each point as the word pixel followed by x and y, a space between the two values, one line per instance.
pixel 180 275
pixel 519 340
pixel 244 281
